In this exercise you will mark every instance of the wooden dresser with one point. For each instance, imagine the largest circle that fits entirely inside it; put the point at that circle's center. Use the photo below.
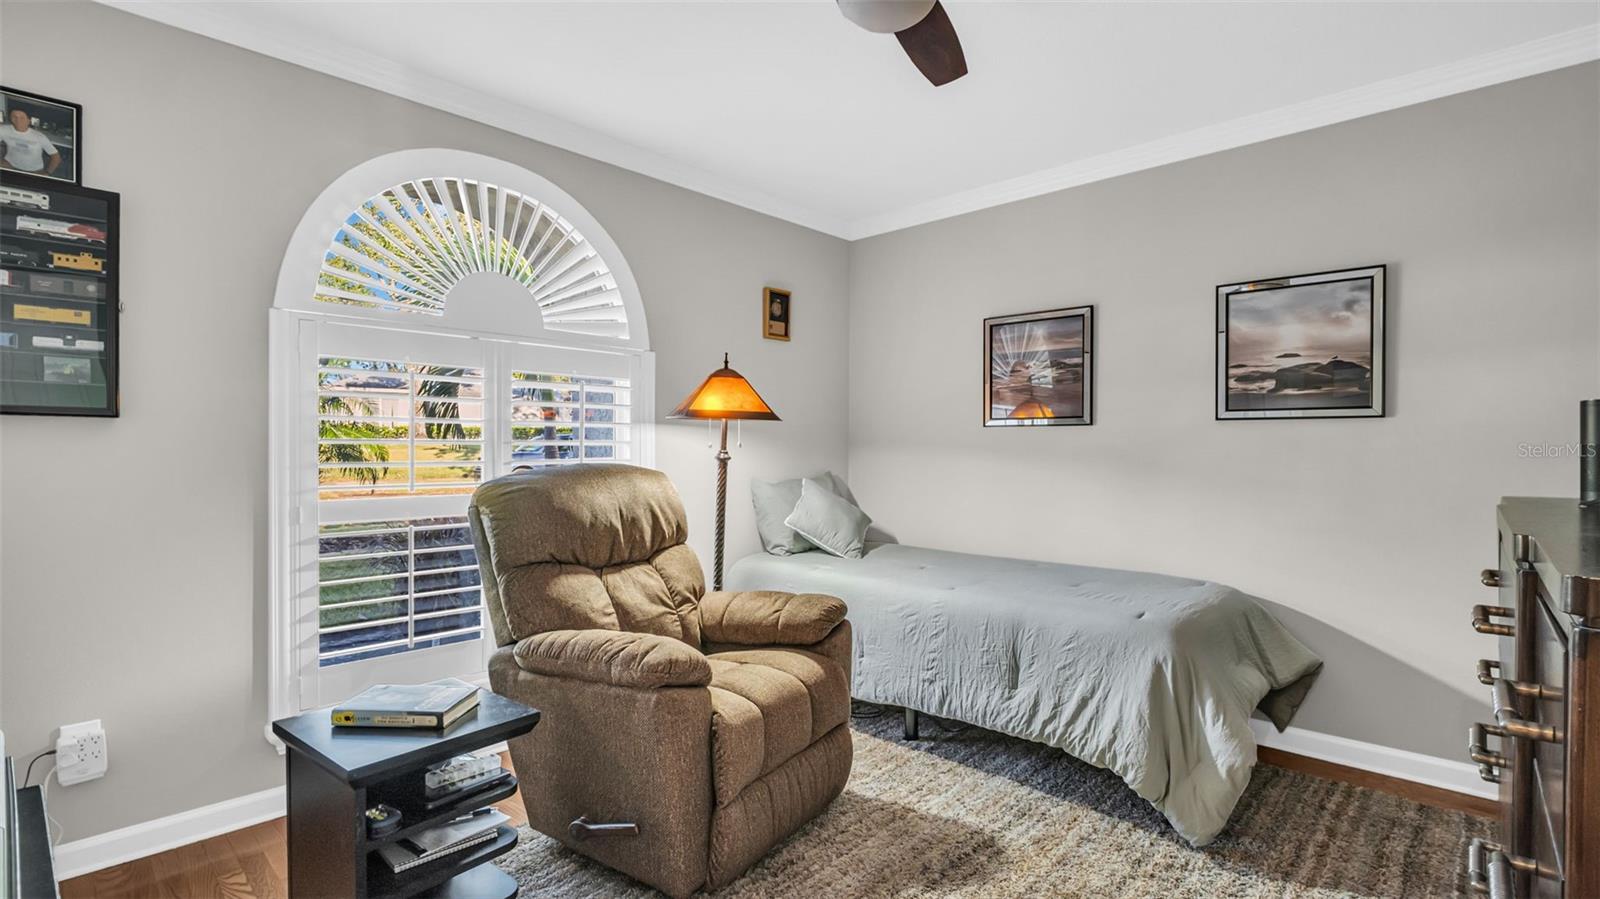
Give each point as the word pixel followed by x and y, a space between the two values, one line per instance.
pixel 1543 746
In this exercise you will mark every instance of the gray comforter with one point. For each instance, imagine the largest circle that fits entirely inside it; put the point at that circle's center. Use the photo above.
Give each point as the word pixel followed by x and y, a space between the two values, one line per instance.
pixel 1153 677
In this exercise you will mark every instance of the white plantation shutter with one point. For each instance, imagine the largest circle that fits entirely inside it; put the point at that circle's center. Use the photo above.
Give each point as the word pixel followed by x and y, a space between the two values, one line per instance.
pixel 393 427
pixel 395 430
pixel 387 587
pixel 400 428
pixel 558 419
pixel 398 435
pixel 406 248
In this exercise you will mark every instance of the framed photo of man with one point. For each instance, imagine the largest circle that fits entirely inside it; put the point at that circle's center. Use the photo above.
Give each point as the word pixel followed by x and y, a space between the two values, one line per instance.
pixel 41 137
pixel 775 313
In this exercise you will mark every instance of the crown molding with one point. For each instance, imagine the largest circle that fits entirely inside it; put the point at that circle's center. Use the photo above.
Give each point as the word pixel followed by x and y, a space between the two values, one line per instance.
pixel 1546 54
pixel 325 55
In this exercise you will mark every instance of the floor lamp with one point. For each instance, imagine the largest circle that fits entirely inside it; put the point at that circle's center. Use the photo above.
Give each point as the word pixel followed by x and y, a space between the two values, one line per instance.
pixel 724 395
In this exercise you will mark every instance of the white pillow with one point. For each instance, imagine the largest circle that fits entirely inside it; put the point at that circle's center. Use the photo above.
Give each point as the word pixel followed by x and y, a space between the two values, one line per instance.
pixel 775 500
pixel 830 521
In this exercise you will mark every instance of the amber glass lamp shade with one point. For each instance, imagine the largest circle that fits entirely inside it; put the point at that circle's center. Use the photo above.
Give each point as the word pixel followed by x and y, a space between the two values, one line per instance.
pixel 725 394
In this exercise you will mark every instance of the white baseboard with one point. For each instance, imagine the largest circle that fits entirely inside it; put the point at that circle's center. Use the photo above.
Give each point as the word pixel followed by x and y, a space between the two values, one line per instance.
pixel 1446 774
pixel 139 840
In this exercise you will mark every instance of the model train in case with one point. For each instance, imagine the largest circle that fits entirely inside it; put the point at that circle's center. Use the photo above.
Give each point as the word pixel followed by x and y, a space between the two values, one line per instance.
pixel 83 262
pixel 63 285
pixel 12 196
pixel 27 224
pixel 80 262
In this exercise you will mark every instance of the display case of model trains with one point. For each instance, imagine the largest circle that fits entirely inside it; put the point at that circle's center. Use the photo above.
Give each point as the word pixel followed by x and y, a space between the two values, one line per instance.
pixel 58 298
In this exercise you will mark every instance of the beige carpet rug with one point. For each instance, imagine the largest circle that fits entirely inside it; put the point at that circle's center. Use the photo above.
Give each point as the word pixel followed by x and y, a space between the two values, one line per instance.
pixel 976 814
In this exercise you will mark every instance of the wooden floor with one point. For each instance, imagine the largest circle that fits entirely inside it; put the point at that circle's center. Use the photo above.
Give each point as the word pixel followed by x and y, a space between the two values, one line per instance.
pixel 253 863
pixel 1422 794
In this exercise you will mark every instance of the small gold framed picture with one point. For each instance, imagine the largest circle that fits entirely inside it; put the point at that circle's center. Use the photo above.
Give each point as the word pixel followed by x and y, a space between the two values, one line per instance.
pixel 775 314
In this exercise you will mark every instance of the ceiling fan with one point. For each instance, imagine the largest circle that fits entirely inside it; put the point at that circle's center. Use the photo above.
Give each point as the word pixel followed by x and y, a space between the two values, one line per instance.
pixel 923 28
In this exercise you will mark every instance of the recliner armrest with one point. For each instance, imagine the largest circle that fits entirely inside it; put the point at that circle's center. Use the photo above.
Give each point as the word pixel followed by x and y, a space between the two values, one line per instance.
pixel 619 658
pixel 763 617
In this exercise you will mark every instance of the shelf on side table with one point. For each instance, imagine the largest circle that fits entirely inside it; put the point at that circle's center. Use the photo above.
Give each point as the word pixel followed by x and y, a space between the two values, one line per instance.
pixel 482 882
pixel 415 821
pixel 420 880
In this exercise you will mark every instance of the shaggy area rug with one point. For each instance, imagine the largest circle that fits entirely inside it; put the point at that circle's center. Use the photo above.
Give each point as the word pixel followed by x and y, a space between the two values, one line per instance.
pixel 976 814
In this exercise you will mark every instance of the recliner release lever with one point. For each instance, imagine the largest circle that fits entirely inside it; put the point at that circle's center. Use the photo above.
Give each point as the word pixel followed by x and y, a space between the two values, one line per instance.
pixel 582 829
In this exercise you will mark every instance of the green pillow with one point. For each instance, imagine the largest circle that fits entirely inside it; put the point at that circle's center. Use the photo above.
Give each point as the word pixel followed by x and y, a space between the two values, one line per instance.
pixel 830 521
pixel 774 500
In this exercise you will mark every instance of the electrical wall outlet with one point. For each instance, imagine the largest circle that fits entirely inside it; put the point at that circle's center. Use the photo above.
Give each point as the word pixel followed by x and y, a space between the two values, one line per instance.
pixel 80 752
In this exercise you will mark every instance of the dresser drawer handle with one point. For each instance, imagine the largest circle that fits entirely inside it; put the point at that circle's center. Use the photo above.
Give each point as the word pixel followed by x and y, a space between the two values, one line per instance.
pixel 1485 856
pixel 1478 750
pixel 1489 672
pixel 1505 715
pixel 1489 869
pixel 1490 577
pixel 1481 622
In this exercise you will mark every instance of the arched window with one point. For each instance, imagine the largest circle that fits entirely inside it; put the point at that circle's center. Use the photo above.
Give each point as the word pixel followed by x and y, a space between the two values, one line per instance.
pixel 441 319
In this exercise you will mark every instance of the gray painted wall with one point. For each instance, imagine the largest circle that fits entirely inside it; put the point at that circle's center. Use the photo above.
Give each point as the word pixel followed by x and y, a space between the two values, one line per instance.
pixel 133 552
pixel 1366 536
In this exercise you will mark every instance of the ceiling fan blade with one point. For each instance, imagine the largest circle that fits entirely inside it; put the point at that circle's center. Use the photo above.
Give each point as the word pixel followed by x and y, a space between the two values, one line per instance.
pixel 932 44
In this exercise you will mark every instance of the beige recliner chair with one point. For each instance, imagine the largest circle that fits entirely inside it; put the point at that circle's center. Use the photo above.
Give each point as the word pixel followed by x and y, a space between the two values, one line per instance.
pixel 684 733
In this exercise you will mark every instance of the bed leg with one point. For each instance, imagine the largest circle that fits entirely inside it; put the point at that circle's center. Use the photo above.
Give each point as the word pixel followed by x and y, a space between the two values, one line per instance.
pixel 911 724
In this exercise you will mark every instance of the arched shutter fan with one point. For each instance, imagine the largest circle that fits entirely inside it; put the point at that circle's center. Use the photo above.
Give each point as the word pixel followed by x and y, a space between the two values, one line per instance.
pixel 404 249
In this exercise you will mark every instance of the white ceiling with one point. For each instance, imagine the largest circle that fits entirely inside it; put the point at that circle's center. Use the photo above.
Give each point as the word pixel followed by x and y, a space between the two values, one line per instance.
pixel 787 108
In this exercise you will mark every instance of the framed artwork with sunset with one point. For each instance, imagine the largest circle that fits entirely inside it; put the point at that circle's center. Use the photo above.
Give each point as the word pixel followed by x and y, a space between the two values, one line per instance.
pixel 1039 368
pixel 1306 346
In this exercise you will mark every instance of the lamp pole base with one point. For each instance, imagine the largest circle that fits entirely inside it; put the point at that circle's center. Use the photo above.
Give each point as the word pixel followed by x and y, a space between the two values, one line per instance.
pixel 722 506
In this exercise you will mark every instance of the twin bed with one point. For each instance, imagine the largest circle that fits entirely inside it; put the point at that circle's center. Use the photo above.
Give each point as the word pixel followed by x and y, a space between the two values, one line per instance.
pixel 1150 676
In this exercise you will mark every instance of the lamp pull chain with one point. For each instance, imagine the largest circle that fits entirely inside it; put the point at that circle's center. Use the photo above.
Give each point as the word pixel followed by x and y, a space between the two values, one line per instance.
pixel 738 439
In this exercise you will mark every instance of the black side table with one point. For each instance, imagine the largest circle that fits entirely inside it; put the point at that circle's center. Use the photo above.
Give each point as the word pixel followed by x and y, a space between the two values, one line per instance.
pixel 29 866
pixel 336 773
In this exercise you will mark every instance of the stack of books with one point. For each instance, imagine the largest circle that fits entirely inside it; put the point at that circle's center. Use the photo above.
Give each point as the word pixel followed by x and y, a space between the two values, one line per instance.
pixel 435 843
pixel 435 705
